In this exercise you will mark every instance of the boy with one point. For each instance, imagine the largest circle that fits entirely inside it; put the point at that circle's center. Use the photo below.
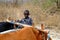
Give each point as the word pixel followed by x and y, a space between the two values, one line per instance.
pixel 26 20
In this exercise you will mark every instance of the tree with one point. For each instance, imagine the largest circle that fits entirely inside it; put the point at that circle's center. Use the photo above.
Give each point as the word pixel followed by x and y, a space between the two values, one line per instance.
pixel 58 3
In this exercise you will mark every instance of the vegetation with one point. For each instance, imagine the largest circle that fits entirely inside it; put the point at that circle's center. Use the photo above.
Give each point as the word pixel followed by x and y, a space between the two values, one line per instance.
pixel 37 9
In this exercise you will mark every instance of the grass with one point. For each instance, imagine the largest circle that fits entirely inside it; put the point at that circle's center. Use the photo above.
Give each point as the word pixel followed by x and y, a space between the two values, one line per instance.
pixel 37 14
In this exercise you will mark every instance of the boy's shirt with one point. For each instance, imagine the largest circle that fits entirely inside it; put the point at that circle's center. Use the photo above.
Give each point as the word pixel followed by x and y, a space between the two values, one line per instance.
pixel 27 21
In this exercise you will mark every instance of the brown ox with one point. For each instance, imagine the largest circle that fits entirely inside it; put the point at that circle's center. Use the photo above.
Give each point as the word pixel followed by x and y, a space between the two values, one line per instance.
pixel 27 33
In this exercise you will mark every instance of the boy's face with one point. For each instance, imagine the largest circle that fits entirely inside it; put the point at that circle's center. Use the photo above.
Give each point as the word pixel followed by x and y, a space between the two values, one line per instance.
pixel 26 14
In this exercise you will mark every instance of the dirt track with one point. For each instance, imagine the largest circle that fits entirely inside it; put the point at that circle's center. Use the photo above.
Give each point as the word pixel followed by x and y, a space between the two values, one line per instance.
pixel 55 34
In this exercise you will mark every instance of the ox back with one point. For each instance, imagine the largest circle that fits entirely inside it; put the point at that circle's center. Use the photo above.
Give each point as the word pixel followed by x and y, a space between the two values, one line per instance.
pixel 5 26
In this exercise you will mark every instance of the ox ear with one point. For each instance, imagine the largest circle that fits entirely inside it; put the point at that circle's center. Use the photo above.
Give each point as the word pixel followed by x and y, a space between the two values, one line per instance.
pixel 42 26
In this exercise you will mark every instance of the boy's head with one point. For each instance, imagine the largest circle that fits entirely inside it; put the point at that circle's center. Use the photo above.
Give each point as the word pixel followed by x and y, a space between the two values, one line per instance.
pixel 26 13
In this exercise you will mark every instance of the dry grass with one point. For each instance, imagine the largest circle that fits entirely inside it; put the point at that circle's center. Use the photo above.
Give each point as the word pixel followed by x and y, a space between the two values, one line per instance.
pixel 36 13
